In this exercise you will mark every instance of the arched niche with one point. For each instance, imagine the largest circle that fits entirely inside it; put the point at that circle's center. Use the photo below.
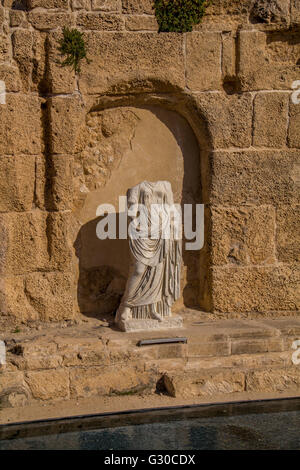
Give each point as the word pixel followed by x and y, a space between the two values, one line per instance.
pixel 118 147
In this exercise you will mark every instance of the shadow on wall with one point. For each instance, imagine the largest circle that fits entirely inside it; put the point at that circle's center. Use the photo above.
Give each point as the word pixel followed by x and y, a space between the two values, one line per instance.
pixel 164 147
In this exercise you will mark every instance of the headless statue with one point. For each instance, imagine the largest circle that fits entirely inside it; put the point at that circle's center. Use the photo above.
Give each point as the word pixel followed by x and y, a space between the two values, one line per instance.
pixel 153 283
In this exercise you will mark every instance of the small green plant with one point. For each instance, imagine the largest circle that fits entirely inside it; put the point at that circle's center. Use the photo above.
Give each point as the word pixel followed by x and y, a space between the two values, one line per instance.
pixel 73 47
pixel 179 15
pixel 17 330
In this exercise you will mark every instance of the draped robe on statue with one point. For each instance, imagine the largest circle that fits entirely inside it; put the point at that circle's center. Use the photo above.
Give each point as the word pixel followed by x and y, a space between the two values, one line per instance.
pixel 154 279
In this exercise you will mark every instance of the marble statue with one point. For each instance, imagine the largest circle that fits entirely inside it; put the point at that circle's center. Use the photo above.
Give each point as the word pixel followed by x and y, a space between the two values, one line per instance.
pixel 153 283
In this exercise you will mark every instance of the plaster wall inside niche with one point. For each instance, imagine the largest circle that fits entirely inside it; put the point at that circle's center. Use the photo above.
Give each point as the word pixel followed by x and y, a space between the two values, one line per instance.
pixel 117 149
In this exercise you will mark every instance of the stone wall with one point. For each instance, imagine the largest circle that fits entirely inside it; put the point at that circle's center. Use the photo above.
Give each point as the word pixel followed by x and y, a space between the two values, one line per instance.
pixel 230 81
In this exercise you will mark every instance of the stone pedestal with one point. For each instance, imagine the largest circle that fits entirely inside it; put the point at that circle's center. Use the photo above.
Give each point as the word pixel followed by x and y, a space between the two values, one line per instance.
pixel 135 324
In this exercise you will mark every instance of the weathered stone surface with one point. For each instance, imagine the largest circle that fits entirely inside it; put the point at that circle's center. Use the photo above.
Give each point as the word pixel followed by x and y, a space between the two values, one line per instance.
pixel 64 131
pixel 52 295
pixel 18 18
pixel 228 55
pixel 270 11
pixel 17 182
pixel 107 5
pixel 295 12
pixel 294 126
pixel 14 304
pixel 149 325
pixel 203 61
pixel 268 109
pixel 288 233
pixel 143 6
pixel 39 353
pixel 24 242
pixel 244 235
pixel 62 184
pixel 11 76
pixel 141 23
pixel 45 20
pixel 49 384
pixel 22 52
pixel 13 389
pixel 253 346
pixel 272 63
pixel 131 62
pixel 59 240
pixel 210 348
pixel 204 383
pixel 100 21
pixel 255 177
pixel 229 118
pixel 80 351
pixel 273 380
pixel 58 79
pixel 51 4
pixel 109 381
pixel 20 132
pixel 81 4
pixel 4 48
pixel 259 289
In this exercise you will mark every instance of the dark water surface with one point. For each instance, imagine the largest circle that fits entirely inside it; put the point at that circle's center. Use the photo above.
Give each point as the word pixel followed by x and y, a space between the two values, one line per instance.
pixel 249 425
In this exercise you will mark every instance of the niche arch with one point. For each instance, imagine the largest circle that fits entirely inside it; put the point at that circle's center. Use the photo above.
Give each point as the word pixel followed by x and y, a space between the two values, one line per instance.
pixel 171 127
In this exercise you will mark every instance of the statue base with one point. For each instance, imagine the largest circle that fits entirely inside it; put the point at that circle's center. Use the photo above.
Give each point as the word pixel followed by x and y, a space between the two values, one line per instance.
pixel 149 324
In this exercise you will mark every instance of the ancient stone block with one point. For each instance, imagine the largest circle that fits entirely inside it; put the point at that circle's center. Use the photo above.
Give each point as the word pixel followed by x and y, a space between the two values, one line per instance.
pixel 59 79
pixel 9 380
pixel 228 55
pixel 17 183
pixel 141 23
pixel 49 384
pixel 61 182
pixel 259 289
pixel 270 11
pixel 107 5
pixel 295 12
pixel 277 380
pixel 4 48
pixel 52 295
pixel 270 108
pixel 288 233
pixel 102 381
pixel 125 62
pixel 10 75
pixel 229 118
pixel 100 21
pixel 203 61
pixel 59 226
pixel 24 242
pixel 13 389
pixel 20 126
pixel 22 51
pixel 255 177
pixel 272 63
pixel 294 126
pixel 204 383
pixel 45 20
pixel 210 348
pixel 81 4
pixel 254 346
pixel 14 303
pixel 243 235
pixel 82 351
pixel 64 131
pixel 18 19
pixel 141 7
pixel 51 4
